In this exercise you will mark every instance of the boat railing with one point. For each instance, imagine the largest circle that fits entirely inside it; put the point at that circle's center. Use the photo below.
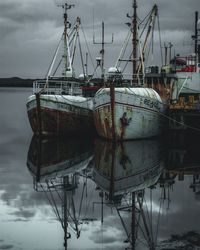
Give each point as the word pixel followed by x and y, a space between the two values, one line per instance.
pixel 126 79
pixel 57 87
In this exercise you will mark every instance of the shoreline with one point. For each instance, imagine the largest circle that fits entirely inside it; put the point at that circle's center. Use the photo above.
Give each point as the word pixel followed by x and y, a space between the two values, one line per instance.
pixel 16 82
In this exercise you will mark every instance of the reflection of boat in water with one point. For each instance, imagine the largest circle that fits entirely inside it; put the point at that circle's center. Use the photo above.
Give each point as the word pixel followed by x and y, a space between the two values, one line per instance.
pixel 131 166
pixel 55 165
pixel 123 172
pixel 183 152
pixel 57 157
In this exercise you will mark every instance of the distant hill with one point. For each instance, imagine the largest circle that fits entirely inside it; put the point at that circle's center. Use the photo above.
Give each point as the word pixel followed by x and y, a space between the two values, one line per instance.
pixel 16 82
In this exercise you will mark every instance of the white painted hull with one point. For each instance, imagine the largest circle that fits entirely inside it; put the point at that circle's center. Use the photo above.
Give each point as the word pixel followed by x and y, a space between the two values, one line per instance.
pixel 137 113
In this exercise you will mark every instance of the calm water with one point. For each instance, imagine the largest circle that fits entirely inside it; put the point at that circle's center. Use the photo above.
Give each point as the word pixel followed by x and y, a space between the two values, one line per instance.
pixel 84 193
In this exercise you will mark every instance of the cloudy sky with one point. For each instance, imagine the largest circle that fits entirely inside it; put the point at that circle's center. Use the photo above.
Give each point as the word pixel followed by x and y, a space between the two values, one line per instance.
pixel 30 29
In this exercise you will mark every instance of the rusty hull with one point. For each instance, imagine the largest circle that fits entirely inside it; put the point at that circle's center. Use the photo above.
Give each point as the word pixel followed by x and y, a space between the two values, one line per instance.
pixel 56 122
pixel 135 113
pixel 104 122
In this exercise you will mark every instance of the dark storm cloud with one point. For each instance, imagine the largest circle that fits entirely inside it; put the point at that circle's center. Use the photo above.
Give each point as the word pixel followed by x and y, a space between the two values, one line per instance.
pixel 5 247
pixel 21 12
pixel 106 239
pixel 30 30
pixel 178 15
pixel 16 15
pixel 23 213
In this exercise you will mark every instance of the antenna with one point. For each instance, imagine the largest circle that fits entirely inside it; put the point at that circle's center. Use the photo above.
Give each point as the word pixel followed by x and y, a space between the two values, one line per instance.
pixel 170 51
pixel 166 47
pixel 102 52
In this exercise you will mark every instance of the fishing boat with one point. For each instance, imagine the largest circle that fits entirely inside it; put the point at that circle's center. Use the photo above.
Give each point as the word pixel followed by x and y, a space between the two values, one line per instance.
pixel 124 109
pixel 185 71
pixel 178 84
pixel 57 105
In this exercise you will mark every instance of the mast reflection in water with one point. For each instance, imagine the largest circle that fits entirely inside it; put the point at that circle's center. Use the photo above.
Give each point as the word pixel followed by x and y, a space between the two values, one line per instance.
pixel 102 196
pixel 56 165
pixel 123 172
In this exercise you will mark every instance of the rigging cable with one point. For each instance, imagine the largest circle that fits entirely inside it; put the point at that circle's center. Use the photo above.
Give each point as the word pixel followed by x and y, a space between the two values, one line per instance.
pixel 145 24
pixel 55 211
pixel 148 52
pixel 160 41
pixel 82 63
pixel 74 45
pixel 159 213
pixel 145 17
pixel 88 202
pixel 123 49
pixel 87 47
pixel 53 60
pixel 72 33
pixel 127 62
pixel 57 67
pixel 151 238
pixel 181 123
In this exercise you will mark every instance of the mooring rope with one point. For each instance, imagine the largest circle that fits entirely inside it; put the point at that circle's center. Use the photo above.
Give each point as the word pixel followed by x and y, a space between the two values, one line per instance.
pixel 181 123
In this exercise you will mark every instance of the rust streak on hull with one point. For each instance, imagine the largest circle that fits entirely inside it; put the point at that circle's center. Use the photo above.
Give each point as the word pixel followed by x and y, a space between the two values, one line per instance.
pixel 55 122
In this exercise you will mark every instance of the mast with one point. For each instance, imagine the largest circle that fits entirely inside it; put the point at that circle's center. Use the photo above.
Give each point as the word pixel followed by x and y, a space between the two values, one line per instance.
pixel 67 25
pixel 150 24
pixel 134 42
pixel 196 32
pixel 133 221
pixel 65 36
pixel 102 52
pixel 195 38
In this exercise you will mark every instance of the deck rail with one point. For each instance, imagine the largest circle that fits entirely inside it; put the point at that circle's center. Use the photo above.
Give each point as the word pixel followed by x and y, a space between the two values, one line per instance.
pixel 57 87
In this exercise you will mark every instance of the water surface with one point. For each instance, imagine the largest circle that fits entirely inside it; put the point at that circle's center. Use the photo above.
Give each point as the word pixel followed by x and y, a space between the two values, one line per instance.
pixel 85 193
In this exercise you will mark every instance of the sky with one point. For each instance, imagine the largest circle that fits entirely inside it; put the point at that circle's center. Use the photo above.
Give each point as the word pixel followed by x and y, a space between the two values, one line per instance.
pixel 31 29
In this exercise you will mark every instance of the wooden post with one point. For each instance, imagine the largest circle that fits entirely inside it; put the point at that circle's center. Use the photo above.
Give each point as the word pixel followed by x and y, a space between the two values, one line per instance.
pixel 37 95
pixel 38 164
pixel 112 176
pixel 112 99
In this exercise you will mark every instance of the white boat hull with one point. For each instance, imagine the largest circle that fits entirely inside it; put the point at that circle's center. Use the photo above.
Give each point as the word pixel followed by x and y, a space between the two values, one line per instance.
pixel 135 113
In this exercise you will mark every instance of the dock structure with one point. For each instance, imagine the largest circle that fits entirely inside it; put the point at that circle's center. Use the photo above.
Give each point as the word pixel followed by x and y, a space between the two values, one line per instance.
pixel 180 91
pixel 185 113
pixel 178 84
